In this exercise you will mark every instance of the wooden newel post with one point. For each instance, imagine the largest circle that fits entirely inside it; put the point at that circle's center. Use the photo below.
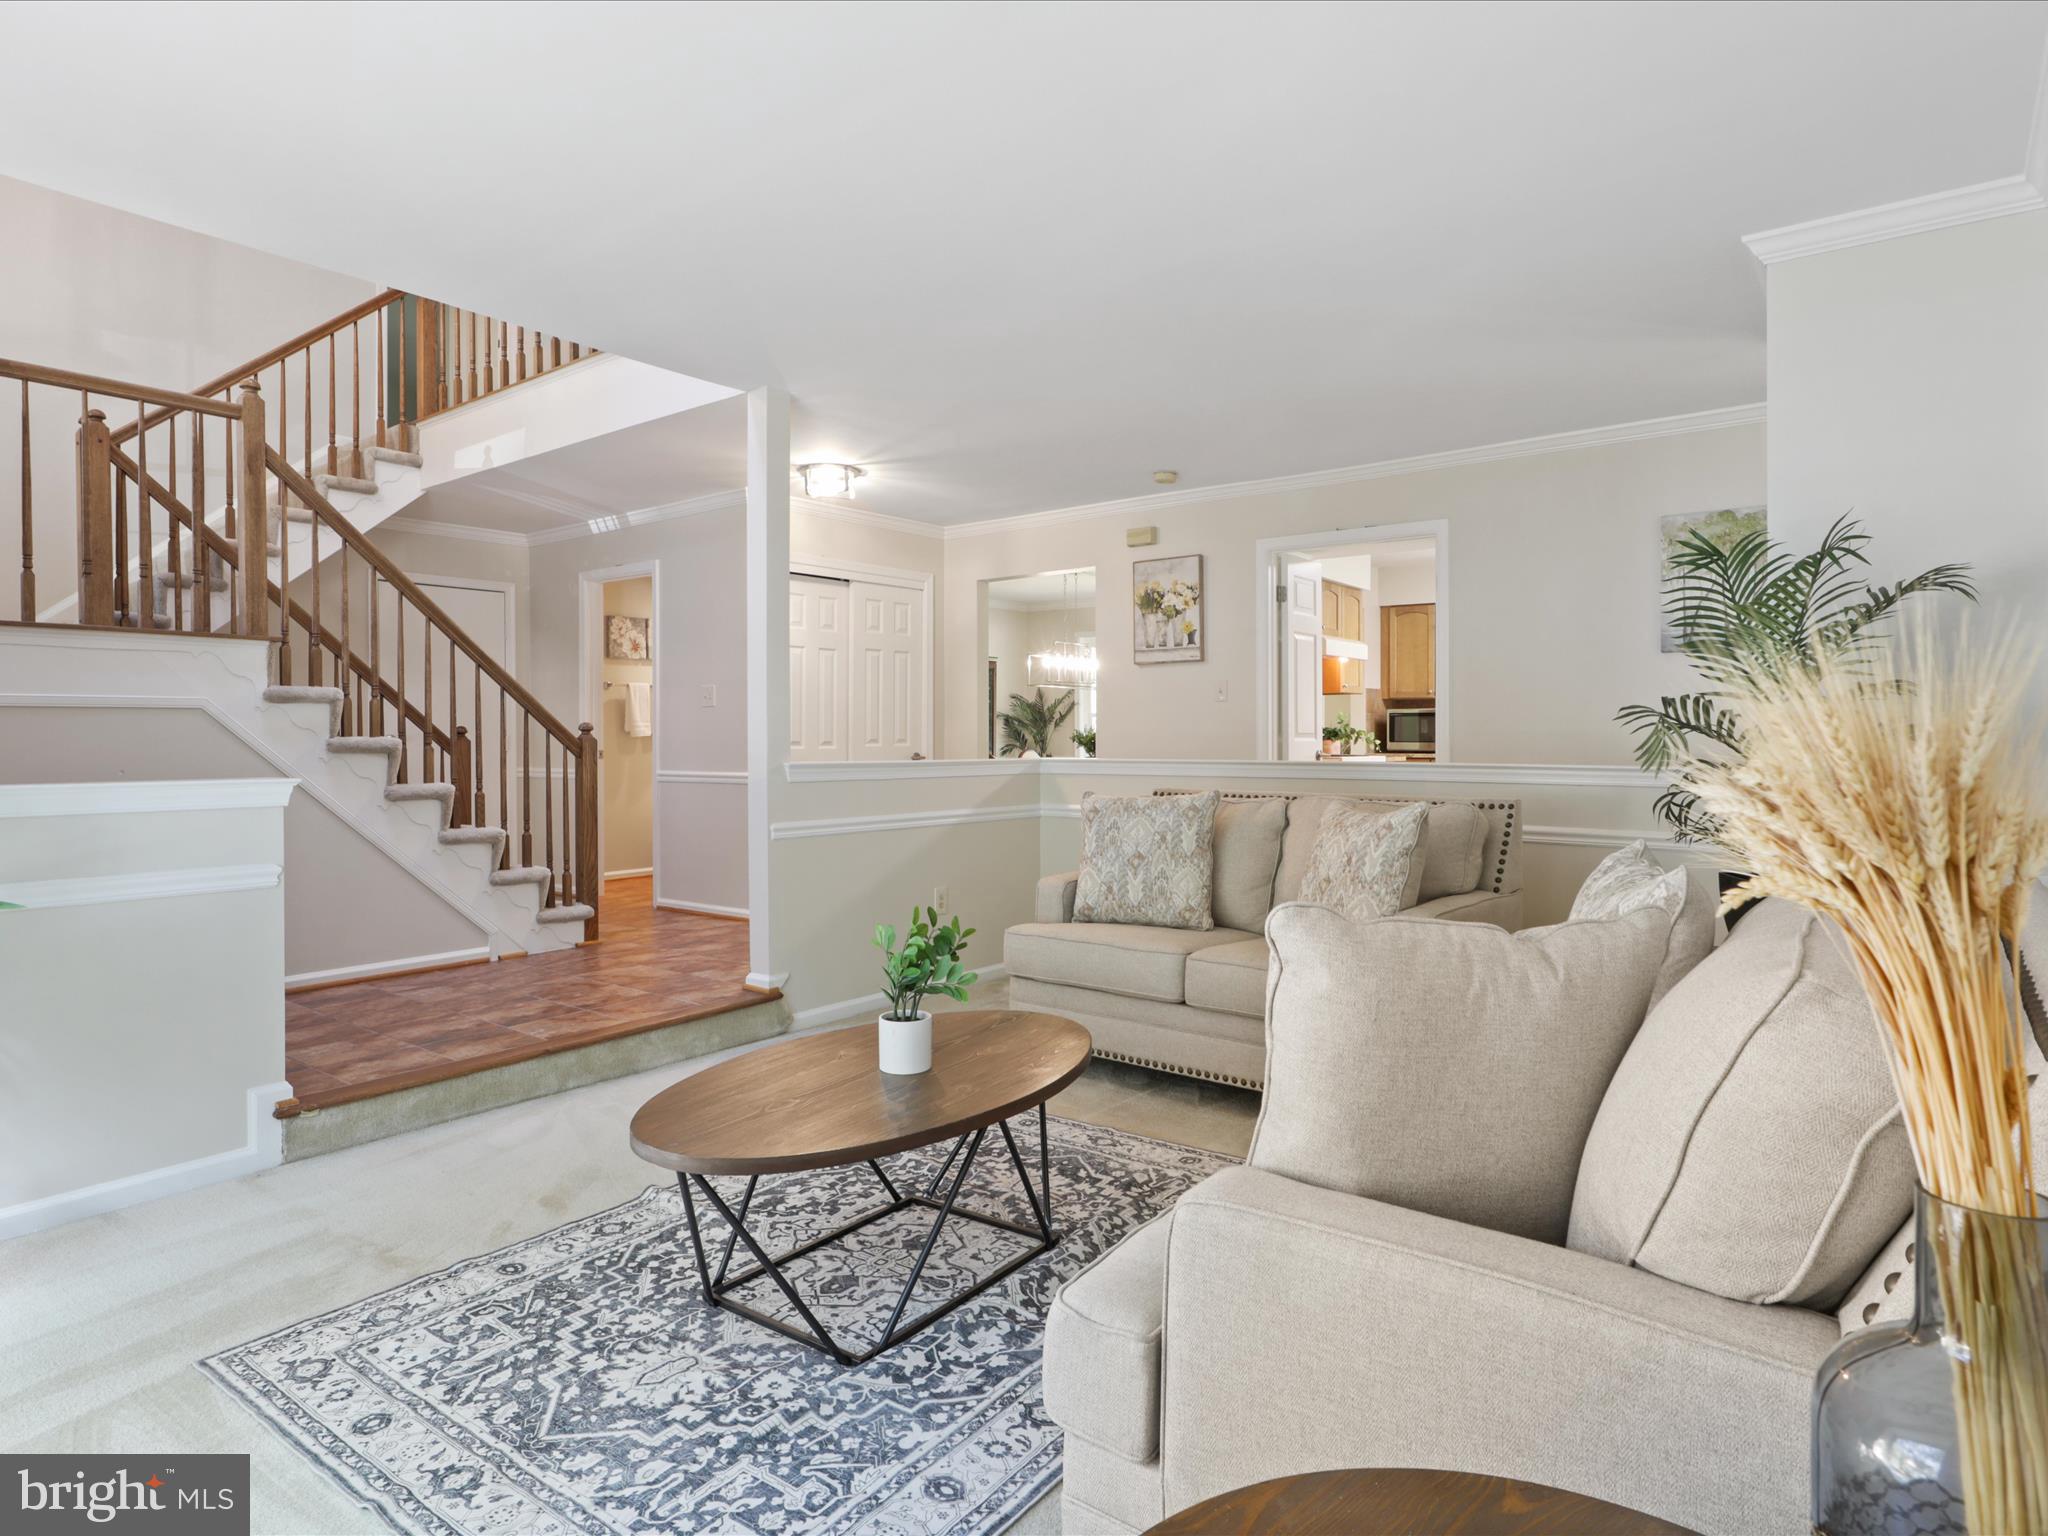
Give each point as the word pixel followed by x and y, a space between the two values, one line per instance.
pixel 464 775
pixel 586 826
pixel 252 538
pixel 97 576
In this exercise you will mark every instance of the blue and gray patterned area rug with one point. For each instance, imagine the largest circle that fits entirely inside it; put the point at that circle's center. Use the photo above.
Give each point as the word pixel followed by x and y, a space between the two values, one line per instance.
pixel 574 1384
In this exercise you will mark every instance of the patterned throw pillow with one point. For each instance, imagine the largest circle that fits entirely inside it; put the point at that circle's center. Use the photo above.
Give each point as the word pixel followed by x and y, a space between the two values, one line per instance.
pixel 1626 881
pixel 1147 859
pixel 1367 861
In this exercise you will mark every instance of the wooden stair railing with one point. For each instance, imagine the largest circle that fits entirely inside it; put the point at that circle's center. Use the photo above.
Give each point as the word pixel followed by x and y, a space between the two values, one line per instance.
pixel 455 727
pixel 119 584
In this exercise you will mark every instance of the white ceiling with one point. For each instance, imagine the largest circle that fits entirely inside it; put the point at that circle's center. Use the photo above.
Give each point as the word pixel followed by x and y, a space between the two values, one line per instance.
pixel 1046 590
pixel 1018 256
pixel 671 459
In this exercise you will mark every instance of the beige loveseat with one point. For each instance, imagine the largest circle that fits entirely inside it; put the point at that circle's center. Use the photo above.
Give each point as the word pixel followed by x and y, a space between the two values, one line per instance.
pixel 1193 1001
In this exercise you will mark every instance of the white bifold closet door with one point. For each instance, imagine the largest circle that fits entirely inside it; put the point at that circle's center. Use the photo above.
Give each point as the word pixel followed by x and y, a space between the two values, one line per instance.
pixel 856 671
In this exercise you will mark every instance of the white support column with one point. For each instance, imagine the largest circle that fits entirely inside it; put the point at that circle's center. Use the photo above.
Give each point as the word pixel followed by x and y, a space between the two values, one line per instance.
pixel 767 661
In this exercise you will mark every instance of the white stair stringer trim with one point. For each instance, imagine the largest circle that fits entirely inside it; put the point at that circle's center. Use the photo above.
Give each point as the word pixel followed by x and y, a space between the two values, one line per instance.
pixel 225 680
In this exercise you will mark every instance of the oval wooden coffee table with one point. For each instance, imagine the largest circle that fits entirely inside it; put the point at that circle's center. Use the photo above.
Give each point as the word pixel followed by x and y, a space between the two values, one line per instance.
pixel 822 1102
pixel 1409 1502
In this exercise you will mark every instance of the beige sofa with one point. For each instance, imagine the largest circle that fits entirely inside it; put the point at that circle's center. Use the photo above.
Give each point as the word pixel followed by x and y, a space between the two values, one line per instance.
pixel 1193 1001
pixel 1269 1324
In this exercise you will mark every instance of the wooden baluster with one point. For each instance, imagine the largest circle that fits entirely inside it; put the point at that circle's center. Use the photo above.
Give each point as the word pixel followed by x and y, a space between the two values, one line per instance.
pixel 99 593
pixel 381 380
pixel 504 353
pixel 589 882
pixel 504 801
pixel 454 698
pixel 284 416
pixel 575 350
pixel 28 522
pixel 459 775
pixel 568 861
pixel 227 459
pixel 252 548
pixel 171 480
pixel 479 813
pixel 202 549
pixel 314 674
pixel 355 397
pixel 525 788
pixel 144 530
pixel 398 623
pixel 427 763
pixel 284 588
pixel 345 674
pixel 376 663
pixel 547 811
pixel 555 351
pixel 122 586
pixel 307 440
pixel 333 454
pixel 522 354
pixel 472 349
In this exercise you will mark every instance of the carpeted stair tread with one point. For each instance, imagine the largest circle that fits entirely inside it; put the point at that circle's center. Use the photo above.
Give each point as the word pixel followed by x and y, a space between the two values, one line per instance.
pixel 395 456
pixel 521 874
pixel 387 745
pixel 322 481
pixel 571 912
pixel 445 793
pixel 492 835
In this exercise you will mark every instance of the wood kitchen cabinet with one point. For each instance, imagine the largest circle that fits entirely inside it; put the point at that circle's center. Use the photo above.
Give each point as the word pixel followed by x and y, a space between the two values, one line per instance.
pixel 1408 653
pixel 1344 619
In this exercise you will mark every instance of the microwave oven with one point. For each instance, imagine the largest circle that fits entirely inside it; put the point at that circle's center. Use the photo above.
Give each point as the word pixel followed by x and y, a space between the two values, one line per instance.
pixel 1411 730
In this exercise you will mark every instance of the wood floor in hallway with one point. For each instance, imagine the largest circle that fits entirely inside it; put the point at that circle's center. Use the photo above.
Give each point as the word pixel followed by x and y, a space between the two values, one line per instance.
pixel 650 969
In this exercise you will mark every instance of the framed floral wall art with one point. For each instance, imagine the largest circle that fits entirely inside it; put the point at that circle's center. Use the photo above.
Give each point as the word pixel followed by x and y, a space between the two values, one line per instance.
pixel 625 638
pixel 1166 597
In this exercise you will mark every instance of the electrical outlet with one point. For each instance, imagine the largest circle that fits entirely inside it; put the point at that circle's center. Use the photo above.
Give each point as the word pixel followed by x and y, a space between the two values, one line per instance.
pixel 1223 693
pixel 939 900
pixel 707 695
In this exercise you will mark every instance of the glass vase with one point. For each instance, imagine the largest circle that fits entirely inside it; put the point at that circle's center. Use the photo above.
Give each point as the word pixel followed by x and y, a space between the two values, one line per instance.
pixel 1939 1425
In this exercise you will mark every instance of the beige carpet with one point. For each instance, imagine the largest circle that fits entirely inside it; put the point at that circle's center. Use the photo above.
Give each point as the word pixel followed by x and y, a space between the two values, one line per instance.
pixel 101 1321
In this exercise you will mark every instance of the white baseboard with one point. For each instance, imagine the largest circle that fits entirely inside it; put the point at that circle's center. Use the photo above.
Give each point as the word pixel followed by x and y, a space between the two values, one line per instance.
pixel 263 1147
pixel 868 1002
pixel 385 967
pixel 627 874
pixel 670 904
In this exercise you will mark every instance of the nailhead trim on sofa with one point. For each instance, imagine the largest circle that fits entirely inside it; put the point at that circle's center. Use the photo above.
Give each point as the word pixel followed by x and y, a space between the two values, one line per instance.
pixel 1163 1066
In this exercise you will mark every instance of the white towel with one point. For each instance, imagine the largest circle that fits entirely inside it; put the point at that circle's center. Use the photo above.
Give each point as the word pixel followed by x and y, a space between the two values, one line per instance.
pixel 639 709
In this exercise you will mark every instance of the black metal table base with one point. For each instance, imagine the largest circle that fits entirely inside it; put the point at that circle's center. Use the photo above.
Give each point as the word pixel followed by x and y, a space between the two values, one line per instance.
pixel 719 1286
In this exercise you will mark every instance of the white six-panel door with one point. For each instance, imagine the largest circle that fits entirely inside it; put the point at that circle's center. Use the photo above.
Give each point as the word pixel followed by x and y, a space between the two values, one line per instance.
pixel 818 642
pixel 1301 666
pixel 887 704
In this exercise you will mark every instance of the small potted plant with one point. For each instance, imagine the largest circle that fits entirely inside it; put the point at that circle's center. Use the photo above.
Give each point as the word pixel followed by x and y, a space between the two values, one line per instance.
pixel 928 962
pixel 1349 736
pixel 1084 743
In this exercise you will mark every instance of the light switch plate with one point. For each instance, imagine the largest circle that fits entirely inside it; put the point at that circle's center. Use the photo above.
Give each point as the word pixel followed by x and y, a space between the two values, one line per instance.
pixel 707 695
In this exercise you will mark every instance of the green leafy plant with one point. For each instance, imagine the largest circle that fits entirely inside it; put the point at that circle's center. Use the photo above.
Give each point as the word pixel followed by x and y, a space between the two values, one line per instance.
pixel 1085 740
pixel 1749 612
pixel 1028 724
pixel 1347 735
pixel 928 962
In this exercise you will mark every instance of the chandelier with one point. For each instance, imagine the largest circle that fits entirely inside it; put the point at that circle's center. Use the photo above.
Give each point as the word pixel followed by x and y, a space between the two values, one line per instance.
pixel 1065 663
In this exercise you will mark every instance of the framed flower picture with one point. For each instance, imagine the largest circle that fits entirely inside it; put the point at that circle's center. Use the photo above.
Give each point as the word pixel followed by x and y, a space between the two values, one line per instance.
pixel 1166 619
pixel 625 638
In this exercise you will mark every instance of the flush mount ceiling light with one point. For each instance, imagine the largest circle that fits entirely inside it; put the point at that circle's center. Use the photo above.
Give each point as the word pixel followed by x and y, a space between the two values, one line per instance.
pixel 830 479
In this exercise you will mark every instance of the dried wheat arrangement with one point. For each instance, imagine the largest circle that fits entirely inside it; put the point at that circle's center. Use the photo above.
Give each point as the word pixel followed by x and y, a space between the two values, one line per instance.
pixel 1898 791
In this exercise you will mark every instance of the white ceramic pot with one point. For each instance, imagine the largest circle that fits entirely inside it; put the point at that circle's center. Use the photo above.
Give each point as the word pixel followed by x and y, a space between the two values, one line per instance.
pixel 906 1045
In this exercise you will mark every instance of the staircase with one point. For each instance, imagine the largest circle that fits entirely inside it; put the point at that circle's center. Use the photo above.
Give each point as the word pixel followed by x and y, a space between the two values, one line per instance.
pixel 367 690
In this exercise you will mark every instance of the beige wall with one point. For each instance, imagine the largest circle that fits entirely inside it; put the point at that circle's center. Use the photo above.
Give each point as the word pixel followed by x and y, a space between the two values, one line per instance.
pixel 345 903
pixel 112 293
pixel 1909 386
pixel 1554 596
pixel 627 811
pixel 143 1038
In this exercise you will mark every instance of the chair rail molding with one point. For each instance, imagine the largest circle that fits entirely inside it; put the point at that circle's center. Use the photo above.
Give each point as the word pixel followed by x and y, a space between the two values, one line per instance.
pixel 140 885
pixel 1554 775
pixel 143 796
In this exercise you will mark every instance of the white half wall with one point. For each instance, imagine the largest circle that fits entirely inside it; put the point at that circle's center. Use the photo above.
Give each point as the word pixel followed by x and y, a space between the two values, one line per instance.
pixel 144 1026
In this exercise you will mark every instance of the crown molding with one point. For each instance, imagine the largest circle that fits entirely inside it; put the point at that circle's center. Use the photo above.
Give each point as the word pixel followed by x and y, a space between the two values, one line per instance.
pixel 1517 448
pixel 1914 216
pixel 863 517
pixel 467 532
